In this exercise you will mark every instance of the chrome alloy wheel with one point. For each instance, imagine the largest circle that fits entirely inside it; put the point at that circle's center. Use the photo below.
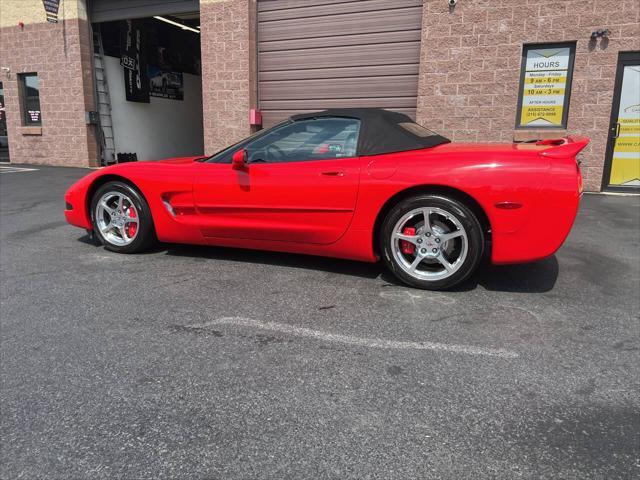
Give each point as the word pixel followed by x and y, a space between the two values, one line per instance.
pixel 429 243
pixel 117 218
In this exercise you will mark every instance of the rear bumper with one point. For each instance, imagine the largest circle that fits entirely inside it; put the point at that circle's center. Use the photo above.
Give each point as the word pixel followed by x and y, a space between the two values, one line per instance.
pixel 547 222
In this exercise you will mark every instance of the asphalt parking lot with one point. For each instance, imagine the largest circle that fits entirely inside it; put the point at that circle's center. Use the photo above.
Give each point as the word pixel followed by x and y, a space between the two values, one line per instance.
pixel 216 363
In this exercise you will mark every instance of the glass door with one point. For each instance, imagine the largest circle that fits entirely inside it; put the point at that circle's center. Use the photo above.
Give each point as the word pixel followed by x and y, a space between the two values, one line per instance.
pixel 622 166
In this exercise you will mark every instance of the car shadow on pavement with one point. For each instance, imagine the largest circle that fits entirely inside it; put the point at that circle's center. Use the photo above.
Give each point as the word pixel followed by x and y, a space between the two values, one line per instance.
pixel 308 262
pixel 535 277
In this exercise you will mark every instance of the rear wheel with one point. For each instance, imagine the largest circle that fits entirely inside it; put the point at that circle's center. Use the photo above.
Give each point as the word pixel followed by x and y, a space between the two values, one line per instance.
pixel 121 218
pixel 431 241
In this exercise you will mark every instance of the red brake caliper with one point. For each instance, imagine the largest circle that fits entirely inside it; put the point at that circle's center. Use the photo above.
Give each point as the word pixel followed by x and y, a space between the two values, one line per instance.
pixel 408 247
pixel 132 227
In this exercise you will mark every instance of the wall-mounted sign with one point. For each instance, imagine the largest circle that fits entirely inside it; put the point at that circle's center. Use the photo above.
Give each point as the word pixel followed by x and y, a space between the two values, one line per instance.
pixel 166 84
pixel 133 59
pixel 51 9
pixel 545 85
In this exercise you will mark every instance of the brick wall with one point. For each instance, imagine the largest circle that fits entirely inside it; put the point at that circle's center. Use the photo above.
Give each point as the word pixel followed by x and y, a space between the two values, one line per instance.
pixel 470 66
pixel 61 56
pixel 225 33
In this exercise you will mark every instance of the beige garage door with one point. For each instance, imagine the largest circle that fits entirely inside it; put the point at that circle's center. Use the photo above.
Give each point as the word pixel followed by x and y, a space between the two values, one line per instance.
pixel 315 54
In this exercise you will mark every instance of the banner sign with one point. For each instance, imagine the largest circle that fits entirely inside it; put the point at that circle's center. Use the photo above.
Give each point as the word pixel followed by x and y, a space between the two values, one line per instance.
pixel 133 59
pixel 51 9
pixel 545 83
pixel 166 84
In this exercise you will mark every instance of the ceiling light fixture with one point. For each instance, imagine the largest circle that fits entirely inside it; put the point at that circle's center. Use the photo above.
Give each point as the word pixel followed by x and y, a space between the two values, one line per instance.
pixel 180 25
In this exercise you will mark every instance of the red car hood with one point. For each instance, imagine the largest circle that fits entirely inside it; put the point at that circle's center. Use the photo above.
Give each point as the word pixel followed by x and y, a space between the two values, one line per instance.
pixel 179 160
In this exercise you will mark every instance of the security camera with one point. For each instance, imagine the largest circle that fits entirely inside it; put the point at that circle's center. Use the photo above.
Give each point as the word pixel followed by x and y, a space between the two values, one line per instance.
pixel 452 3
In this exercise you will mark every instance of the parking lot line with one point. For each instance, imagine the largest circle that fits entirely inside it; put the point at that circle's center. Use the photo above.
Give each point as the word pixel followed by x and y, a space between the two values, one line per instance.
pixel 9 169
pixel 357 341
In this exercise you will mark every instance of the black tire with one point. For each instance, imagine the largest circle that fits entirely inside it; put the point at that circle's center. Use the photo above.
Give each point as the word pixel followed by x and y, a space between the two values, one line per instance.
pixel 460 211
pixel 145 236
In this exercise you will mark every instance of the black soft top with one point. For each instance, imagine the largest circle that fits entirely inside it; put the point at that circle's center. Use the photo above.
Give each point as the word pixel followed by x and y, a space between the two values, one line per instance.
pixel 382 131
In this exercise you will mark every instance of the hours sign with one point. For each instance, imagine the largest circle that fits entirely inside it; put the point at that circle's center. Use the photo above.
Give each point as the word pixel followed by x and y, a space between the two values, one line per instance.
pixel 544 87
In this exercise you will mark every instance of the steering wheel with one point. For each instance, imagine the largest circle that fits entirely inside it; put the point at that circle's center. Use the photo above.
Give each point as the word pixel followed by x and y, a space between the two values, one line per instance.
pixel 275 152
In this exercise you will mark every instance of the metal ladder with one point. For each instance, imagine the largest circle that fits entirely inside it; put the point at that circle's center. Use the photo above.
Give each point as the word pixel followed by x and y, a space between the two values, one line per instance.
pixel 105 125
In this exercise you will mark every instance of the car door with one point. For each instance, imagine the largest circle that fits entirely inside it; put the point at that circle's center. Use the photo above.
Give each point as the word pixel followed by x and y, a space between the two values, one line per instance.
pixel 300 184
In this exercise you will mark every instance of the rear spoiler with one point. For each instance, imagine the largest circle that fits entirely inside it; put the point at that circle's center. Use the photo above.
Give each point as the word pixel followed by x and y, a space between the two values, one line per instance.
pixel 566 147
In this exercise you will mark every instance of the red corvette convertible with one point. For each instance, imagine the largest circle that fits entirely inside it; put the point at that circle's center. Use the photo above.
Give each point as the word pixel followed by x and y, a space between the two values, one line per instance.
pixel 350 183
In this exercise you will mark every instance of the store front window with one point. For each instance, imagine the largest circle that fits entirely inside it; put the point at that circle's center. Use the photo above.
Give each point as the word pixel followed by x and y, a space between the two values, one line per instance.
pixel 30 86
pixel 4 144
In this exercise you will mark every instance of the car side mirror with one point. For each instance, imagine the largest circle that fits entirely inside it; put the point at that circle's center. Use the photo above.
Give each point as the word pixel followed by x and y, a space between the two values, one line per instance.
pixel 239 160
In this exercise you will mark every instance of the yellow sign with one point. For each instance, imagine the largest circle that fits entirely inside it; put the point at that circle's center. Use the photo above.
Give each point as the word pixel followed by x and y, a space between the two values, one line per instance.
pixel 545 82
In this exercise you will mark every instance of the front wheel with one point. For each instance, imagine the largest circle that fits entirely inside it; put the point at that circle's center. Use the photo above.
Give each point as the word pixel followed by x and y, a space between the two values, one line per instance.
pixel 121 218
pixel 432 242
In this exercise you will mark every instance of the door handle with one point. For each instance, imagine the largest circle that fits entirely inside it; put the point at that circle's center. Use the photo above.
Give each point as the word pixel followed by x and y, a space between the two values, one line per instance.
pixel 333 174
pixel 616 129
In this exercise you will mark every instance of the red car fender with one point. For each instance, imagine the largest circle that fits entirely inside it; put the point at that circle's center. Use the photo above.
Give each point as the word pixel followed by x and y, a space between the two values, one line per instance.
pixel 158 182
pixel 530 199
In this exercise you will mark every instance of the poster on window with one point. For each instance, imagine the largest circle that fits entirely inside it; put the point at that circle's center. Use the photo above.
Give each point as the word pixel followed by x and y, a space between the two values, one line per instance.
pixel 133 61
pixel 165 84
pixel 544 88
pixel 34 116
pixel 625 166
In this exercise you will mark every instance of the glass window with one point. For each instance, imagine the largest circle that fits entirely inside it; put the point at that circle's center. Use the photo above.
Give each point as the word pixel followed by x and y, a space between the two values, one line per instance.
pixel 224 155
pixel 314 139
pixel 417 130
pixel 30 87
pixel 4 144
pixel 3 120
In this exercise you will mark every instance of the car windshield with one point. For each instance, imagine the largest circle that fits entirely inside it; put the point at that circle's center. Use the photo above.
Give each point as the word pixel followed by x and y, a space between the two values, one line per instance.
pixel 221 156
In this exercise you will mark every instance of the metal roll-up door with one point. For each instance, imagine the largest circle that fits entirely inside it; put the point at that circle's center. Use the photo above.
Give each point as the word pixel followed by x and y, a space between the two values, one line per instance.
pixel 315 54
pixel 110 10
